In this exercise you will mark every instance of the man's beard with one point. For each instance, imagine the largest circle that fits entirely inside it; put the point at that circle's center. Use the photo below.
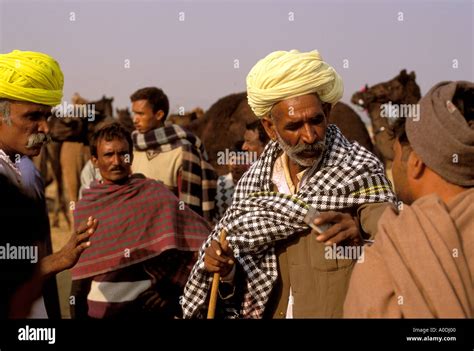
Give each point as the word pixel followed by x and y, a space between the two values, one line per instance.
pixel 292 151
pixel 37 139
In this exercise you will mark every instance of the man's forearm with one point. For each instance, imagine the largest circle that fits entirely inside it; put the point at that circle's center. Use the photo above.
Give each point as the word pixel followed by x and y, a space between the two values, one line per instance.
pixel 50 265
pixel 369 215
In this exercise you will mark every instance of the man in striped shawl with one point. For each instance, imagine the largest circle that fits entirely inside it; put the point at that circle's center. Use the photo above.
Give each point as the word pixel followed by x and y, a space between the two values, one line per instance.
pixel 145 245
pixel 272 264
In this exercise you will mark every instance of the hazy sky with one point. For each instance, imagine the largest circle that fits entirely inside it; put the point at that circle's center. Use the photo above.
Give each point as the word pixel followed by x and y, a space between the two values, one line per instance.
pixel 193 58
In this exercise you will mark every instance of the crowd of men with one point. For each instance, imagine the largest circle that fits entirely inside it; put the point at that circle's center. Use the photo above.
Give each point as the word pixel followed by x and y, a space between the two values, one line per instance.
pixel 147 229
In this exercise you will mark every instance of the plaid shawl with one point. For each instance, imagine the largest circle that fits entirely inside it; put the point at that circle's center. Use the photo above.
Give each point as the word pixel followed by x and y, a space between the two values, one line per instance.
pixel 138 220
pixel 198 178
pixel 349 176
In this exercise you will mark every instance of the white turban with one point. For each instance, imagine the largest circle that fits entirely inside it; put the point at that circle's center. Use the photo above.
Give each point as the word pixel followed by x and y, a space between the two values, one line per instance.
pixel 287 74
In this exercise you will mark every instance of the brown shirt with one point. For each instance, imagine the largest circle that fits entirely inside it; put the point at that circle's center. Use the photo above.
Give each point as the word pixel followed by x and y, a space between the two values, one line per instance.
pixel 318 285
pixel 422 263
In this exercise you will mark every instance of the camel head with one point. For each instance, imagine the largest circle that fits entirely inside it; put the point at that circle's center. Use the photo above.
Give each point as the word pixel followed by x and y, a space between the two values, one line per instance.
pixel 125 119
pixel 103 108
pixel 183 120
pixel 77 99
pixel 399 90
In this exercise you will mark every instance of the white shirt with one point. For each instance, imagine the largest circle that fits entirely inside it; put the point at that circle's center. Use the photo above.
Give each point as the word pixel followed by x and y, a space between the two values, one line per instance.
pixel 282 180
pixel 9 169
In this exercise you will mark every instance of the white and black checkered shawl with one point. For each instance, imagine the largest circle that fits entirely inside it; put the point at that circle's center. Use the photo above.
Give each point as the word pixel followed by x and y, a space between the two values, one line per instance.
pixel 198 178
pixel 349 176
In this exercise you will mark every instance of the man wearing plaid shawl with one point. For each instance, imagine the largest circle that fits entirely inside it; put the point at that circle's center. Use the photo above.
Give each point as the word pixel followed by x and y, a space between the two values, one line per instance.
pixel 282 266
pixel 171 154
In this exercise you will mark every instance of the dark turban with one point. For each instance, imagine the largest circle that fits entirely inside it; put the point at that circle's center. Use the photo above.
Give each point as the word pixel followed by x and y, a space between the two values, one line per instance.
pixel 443 136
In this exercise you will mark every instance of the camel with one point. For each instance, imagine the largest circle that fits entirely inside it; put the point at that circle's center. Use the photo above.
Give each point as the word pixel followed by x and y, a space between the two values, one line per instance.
pixel 223 125
pixel 125 119
pixel 350 124
pixel 185 119
pixel 50 170
pixel 401 89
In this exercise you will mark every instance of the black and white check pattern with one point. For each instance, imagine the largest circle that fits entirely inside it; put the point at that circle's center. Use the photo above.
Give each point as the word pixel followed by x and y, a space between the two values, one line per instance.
pixel 224 195
pixel 349 176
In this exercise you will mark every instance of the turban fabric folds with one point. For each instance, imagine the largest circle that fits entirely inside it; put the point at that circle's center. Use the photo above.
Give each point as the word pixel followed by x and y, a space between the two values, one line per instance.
pixel 286 74
pixel 31 76
pixel 442 136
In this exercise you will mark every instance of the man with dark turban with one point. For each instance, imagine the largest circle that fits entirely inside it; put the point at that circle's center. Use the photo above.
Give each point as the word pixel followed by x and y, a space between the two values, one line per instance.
pixel 31 84
pixel 283 268
pixel 422 261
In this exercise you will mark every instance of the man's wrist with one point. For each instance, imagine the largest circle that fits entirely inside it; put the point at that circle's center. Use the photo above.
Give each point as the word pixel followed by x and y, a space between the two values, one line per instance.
pixel 229 277
pixel 50 265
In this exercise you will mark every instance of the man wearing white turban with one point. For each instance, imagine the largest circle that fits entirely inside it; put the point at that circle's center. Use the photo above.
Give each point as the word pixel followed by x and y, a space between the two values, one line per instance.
pixel 283 268
pixel 31 84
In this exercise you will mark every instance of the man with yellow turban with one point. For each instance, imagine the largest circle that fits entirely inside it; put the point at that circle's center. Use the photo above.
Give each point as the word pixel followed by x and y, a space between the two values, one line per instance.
pixel 31 84
pixel 278 260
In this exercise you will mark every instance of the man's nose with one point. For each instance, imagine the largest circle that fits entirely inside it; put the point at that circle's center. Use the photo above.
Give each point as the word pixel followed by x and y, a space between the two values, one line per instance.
pixel 43 126
pixel 116 160
pixel 309 135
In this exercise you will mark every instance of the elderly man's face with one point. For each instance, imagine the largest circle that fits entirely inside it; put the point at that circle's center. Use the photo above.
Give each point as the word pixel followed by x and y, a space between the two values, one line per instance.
pixel 299 124
pixel 27 129
pixel 113 159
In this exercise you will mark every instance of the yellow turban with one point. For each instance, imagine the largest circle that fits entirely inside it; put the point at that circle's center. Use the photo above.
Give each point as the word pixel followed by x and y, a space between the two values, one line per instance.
pixel 31 76
pixel 287 74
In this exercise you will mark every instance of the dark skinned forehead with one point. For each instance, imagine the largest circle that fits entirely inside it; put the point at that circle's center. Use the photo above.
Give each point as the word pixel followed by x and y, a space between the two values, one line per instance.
pixel 305 106
pixel 29 108
pixel 104 146
pixel 140 105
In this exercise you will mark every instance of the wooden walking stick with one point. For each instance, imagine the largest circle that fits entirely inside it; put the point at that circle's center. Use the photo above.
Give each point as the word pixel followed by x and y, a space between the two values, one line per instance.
pixel 215 283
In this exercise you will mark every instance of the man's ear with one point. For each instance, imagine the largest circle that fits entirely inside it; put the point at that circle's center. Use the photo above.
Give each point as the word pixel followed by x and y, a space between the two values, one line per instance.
pixel 327 109
pixel 159 115
pixel 269 126
pixel 415 166
pixel 95 161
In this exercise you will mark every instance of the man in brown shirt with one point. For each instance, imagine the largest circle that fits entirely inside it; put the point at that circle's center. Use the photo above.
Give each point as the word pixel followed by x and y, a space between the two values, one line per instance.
pixel 422 261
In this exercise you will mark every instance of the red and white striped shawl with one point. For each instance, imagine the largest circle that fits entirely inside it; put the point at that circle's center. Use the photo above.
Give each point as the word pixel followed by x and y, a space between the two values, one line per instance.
pixel 138 220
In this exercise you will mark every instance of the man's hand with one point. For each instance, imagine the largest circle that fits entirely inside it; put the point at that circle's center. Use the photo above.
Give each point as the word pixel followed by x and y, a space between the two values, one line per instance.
pixel 344 228
pixel 219 259
pixel 68 256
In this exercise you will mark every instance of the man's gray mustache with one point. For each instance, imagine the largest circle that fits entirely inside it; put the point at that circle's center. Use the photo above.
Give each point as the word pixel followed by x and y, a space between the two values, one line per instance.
pixel 304 147
pixel 37 139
